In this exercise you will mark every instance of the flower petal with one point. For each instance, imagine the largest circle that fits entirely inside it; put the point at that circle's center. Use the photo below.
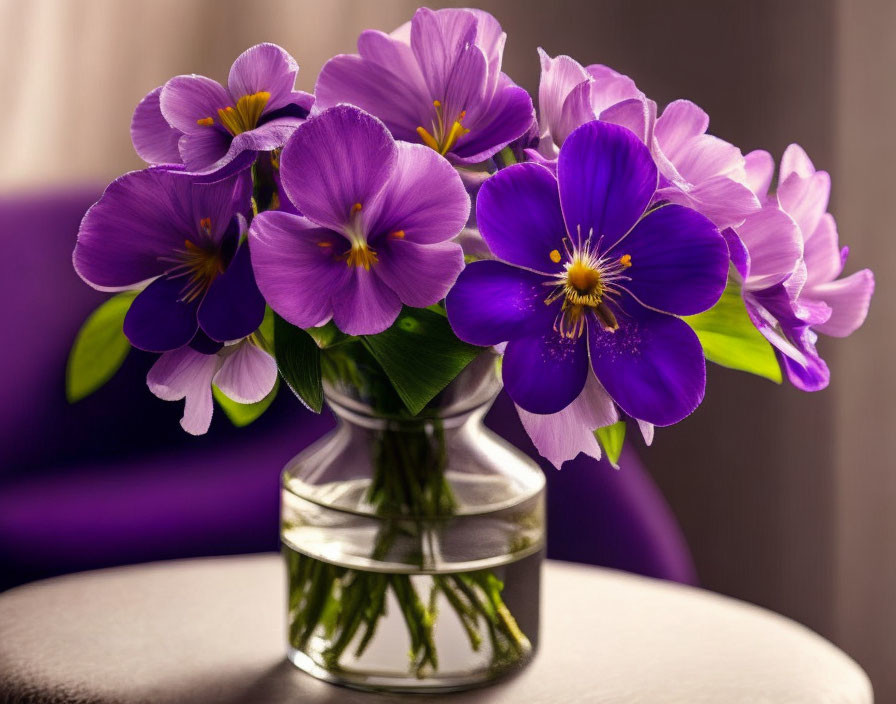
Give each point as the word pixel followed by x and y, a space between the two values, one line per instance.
pixel 421 275
pixel 296 267
pixel 545 372
pixel 340 158
pixel 508 115
pixel 393 92
pixel 760 169
pixel 233 307
pixel 519 216
pixel 264 67
pixel 561 436
pixel 773 240
pixel 559 75
pixel 805 199
pixel 364 305
pixel 185 373
pixel 723 200
pixel 607 178
pixel 218 202
pixel 494 302
pixel 814 375
pixel 636 114
pixel 796 161
pixel 158 320
pixel 187 99
pixel 652 366
pixel 822 254
pixel 441 39
pixel 202 151
pixel 424 198
pixel 848 299
pixel 610 87
pixel 679 261
pixel 247 373
pixel 155 141
pixel 141 218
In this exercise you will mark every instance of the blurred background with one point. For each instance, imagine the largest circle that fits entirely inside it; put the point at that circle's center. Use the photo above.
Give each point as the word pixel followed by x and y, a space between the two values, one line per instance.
pixel 774 496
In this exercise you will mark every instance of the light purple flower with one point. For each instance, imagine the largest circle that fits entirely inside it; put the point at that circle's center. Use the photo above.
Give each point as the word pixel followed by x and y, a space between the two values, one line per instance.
pixel 697 170
pixel 244 372
pixel 569 95
pixel 377 217
pixel 592 279
pixel 435 81
pixel 789 258
pixel 195 121
pixel 177 238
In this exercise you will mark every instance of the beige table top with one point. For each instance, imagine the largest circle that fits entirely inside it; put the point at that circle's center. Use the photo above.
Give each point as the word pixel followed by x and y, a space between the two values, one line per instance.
pixel 211 630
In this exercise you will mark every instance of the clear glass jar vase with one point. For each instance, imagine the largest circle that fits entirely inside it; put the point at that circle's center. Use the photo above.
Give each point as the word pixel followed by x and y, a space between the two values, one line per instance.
pixel 413 544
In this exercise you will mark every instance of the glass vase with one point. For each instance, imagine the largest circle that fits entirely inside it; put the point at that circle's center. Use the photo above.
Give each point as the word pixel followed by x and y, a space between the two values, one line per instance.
pixel 413 544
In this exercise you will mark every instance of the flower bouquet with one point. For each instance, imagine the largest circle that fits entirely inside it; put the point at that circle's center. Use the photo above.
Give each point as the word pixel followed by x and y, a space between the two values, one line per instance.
pixel 401 244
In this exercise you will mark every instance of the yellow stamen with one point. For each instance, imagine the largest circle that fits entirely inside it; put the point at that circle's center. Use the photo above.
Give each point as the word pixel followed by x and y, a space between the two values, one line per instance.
pixel 361 255
pixel 356 208
pixel 201 266
pixel 245 115
pixel 324 244
pixel 606 318
pixel 626 260
pixel 397 235
pixel 206 225
pixel 442 139
pixel 555 256
pixel 206 121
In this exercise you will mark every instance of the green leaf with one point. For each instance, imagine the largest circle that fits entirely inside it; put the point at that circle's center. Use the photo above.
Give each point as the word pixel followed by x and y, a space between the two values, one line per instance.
pixel 730 339
pixel 100 348
pixel 241 414
pixel 298 359
pixel 420 354
pixel 328 335
pixel 611 439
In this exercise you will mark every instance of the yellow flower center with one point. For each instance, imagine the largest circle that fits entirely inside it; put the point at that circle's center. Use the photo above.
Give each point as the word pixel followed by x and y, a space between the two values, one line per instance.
pixel 586 282
pixel 444 135
pixel 242 117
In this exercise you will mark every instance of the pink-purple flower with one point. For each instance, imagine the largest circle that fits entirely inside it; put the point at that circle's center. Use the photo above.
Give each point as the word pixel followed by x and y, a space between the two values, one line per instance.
pixel 789 259
pixel 178 239
pixel 696 169
pixel 375 230
pixel 592 279
pixel 195 121
pixel 435 81
pixel 244 372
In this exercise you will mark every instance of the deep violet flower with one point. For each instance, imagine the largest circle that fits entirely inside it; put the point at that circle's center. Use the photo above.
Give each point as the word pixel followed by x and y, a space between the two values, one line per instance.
pixel 788 258
pixel 243 372
pixel 589 273
pixel 436 81
pixel 373 235
pixel 183 236
pixel 696 169
pixel 195 121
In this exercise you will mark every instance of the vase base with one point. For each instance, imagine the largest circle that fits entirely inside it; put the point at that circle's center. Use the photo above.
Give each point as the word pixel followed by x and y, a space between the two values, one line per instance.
pixel 377 682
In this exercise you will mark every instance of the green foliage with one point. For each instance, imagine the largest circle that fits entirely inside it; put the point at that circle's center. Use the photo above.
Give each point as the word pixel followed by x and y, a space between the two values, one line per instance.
pixel 730 339
pixel 420 354
pixel 241 414
pixel 100 348
pixel 298 359
pixel 612 439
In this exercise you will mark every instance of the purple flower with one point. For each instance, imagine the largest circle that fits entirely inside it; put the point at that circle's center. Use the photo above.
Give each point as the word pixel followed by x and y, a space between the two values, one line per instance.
pixel 195 121
pixel 243 372
pixel 435 81
pixel 179 239
pixel 373 235
pixel 788 257
pixel 591 278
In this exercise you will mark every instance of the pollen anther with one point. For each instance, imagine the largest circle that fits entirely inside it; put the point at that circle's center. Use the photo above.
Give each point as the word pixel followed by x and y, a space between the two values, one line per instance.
pixel 555 256
pixel 205 121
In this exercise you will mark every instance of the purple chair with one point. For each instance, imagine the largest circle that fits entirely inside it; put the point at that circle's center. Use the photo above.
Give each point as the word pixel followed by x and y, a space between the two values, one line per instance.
pixel 113 480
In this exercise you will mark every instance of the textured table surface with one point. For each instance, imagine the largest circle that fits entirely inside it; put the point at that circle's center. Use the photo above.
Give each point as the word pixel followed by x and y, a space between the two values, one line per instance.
pixel 211 630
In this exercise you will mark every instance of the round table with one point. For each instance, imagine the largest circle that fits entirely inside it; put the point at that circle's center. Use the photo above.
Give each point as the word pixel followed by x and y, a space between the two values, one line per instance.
pixel 212 630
